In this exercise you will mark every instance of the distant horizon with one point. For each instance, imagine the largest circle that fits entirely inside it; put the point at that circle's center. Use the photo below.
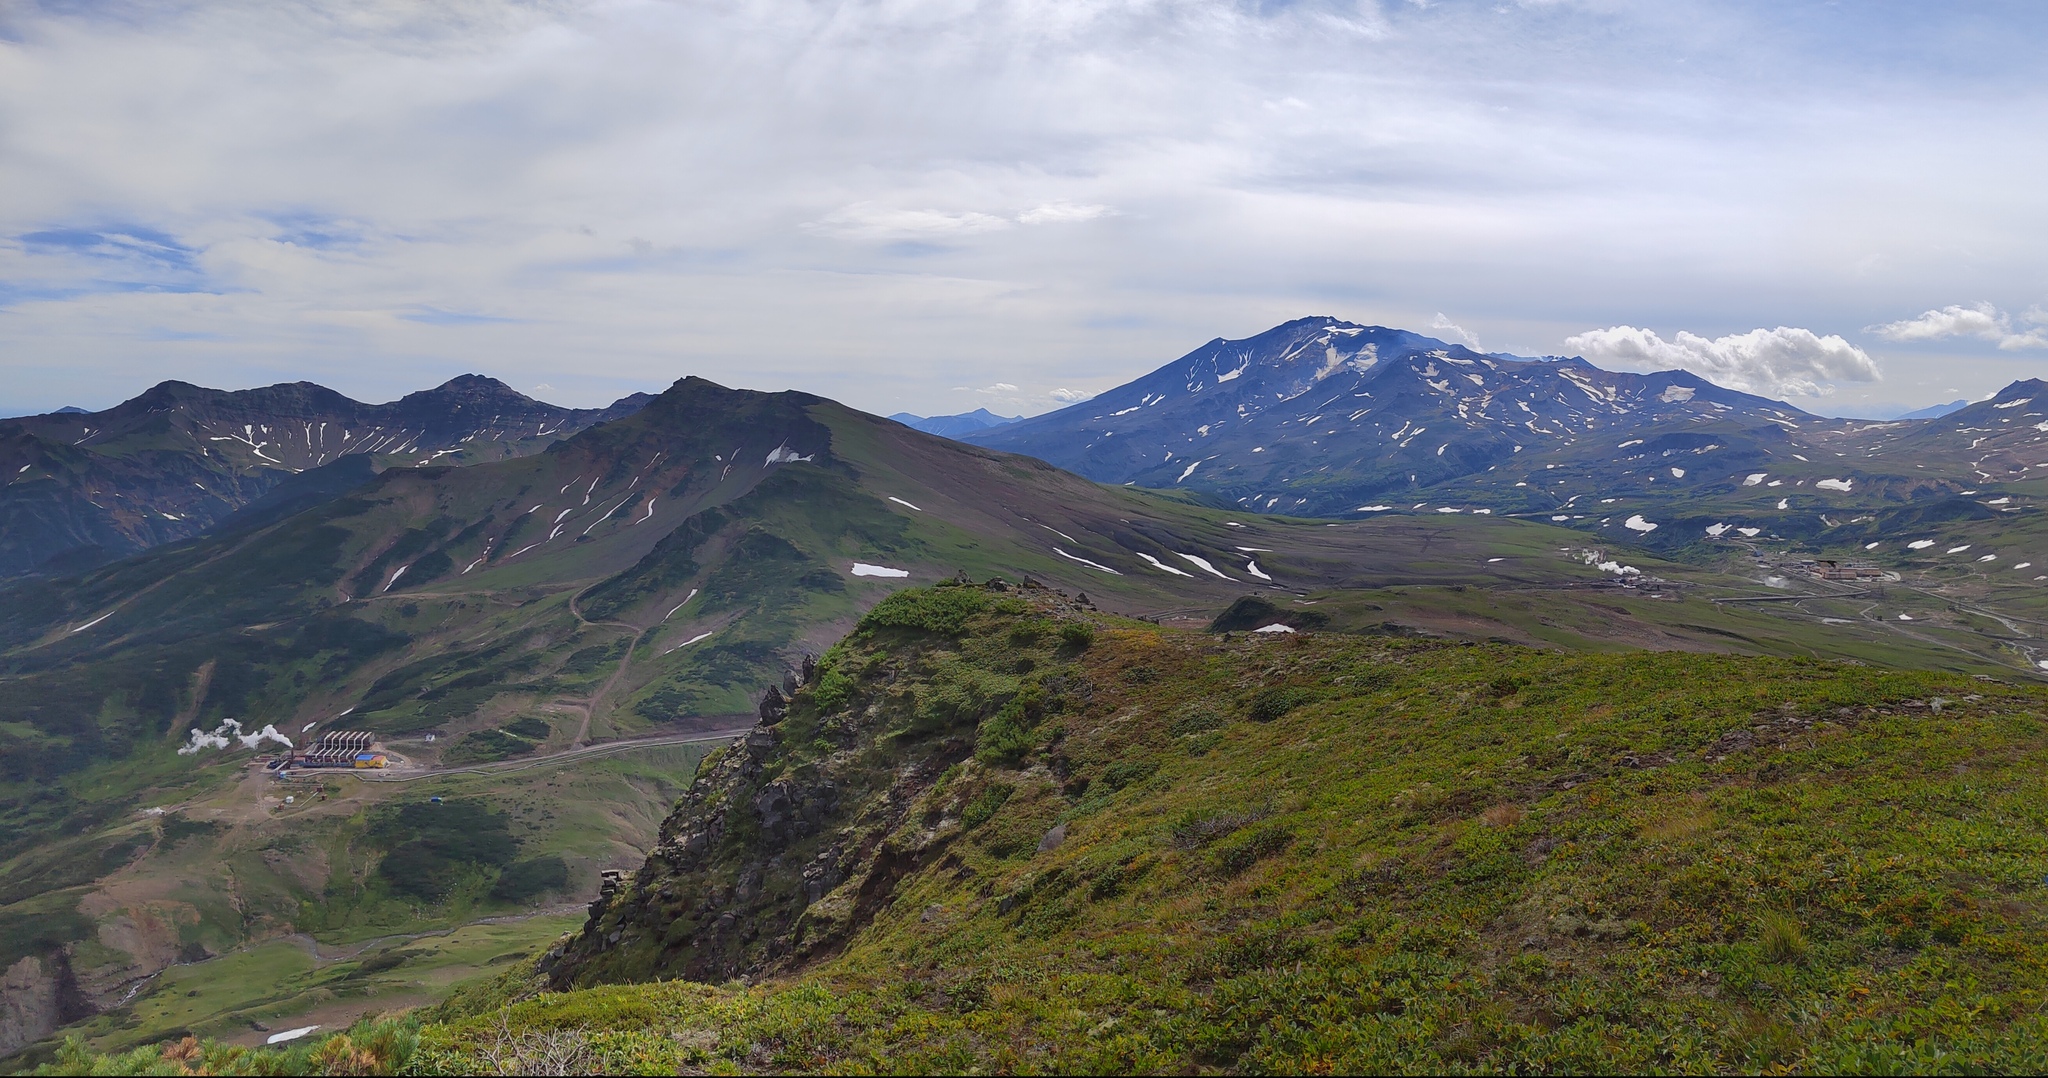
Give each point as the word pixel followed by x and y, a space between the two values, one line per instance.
pixel 1876 411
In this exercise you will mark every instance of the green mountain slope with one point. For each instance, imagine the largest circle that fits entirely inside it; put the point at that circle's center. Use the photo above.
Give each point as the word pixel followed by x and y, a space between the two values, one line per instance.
pixel 1001 831
pixel 648 578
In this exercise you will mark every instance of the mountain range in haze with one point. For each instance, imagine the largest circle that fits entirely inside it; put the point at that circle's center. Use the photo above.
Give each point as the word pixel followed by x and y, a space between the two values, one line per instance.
pixel 954 426
pixel 1315 417
pixel 81 488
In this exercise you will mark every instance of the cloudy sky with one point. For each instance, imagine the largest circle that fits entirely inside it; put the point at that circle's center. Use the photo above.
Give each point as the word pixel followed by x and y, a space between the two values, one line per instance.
pixel 936 205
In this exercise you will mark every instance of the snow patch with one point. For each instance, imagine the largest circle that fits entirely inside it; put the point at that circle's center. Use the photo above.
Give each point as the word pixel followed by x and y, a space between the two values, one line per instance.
pixel 1086 562
pixel 1920 544
pixel 1162 566
pixel 861 568
pixel 697 639
pixel 783 454
pixel 1252 567
pixel 1678 473
pixel 1750 533
pixel 289 1035
pixel 1636 523
pixel 1754 478
pixel 94 622
pixel 1958 549
pixel 900 501
pixel 1835 484
pixel 1276 627
pixel 1372 508
pixel 1674 394
pixel 1715 530
pixel 1200 563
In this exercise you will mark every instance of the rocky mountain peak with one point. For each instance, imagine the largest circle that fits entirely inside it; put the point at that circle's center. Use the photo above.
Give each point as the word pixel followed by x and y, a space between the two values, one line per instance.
pixel 1319 416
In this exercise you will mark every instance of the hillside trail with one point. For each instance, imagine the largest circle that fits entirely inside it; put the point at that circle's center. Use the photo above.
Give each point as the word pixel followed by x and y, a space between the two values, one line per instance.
pixel 568 755
pixel 589 707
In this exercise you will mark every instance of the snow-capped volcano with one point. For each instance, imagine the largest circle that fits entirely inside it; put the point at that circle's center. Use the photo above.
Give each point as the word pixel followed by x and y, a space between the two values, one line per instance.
pixel 1319 415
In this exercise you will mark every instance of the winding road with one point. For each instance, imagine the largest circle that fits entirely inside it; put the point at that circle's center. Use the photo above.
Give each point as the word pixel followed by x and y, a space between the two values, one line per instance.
pixel 570 755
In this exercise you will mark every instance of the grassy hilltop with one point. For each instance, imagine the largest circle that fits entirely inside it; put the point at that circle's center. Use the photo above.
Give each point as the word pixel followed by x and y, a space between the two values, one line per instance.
pixel 1001 831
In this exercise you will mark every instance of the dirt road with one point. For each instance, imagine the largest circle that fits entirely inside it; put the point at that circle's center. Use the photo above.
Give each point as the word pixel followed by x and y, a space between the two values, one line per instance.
pixel 571 755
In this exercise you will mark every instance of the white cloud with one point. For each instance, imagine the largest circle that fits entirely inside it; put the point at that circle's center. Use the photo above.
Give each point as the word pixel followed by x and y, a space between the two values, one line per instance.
pixel 1976 320
pixel 1069 396
pixel 1774 362
pixel 1060 213
pixel 1457 332
pixel 880 199
pixel 871 222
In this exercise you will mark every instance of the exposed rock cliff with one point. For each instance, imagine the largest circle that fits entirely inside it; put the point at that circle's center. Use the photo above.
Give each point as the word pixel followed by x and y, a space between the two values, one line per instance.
pixel 860 771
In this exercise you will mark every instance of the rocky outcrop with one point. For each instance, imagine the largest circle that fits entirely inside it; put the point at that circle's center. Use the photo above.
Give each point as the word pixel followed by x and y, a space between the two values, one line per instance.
pixel 793 837
pixel 37 995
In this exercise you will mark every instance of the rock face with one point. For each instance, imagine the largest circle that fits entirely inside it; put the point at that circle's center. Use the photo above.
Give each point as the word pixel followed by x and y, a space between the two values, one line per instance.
pixel 79 488
pixel 794 836
pixel 37 995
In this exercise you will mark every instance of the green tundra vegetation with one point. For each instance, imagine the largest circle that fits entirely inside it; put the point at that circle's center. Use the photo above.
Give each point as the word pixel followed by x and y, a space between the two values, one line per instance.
pixel 1143 849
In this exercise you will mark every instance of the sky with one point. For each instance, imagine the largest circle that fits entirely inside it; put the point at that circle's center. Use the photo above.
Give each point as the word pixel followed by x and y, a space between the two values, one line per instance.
pixel 938 205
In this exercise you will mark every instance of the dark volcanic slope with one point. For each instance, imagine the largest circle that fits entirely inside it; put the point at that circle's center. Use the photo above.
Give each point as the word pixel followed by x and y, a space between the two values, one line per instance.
pixel 1998 440
pixel 83 487
pixel 1321 417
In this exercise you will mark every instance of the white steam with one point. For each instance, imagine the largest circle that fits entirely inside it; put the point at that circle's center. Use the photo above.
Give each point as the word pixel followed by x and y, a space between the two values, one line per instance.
pixel 1454 331
pixel 1774 362
pixel 227 733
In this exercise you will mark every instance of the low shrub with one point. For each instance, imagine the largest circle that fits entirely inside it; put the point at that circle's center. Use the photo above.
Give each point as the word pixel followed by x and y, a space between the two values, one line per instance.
pixel 1275 702
pixel 984 804
pixel 944 611
pixel 1246 849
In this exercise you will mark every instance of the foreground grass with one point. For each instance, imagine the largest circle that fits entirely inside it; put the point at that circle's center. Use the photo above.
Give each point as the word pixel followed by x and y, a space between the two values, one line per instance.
pixel 1331 854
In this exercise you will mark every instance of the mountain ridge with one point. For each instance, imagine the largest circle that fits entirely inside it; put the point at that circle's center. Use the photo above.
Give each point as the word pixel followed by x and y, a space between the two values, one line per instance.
pixel 1224 411
pixel 952 426
pixel 169 463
